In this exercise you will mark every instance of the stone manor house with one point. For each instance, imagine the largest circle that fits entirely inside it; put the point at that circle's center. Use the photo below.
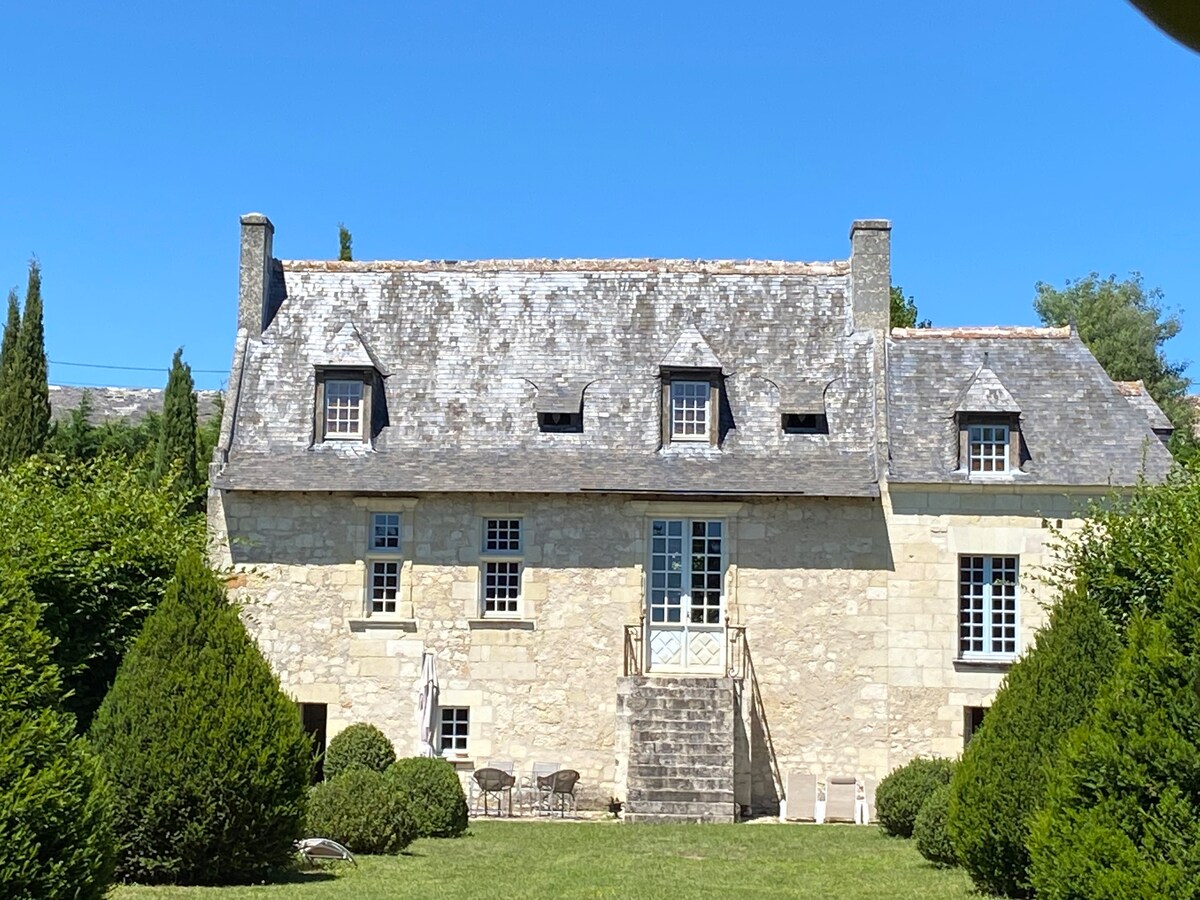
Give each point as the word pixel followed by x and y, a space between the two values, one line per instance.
pixel 685 526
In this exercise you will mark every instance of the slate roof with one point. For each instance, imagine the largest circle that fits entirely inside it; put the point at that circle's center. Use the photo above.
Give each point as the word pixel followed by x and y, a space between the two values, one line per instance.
pixel 473 351
pixel 1139 398
pixel 121 403
pixel 1077 426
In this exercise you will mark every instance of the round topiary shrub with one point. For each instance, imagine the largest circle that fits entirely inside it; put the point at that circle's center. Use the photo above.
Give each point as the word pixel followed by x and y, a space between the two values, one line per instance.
pixel 206 756
pixel 363 809
pixel 361 746
pixel 434 795
pixel 904 791
pixel 55 823
pixel 929 830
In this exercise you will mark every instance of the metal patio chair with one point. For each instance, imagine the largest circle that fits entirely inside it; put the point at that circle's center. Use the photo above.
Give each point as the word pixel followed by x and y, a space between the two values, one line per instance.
pixel 494 783
pixel 558 789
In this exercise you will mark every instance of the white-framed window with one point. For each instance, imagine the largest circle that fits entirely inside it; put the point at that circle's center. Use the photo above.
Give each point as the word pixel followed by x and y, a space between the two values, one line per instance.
pixel 384 545
pixel 691 410
pixel 454 726
pixel 342 416
pixel 501 567
pixel 987 606
pixel 687 571
pixel 987 448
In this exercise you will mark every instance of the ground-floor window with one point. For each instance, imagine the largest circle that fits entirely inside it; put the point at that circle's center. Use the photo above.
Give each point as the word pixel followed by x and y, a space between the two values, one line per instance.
pixel 455 725
pixel 314 717
pixel 972 719
pixel 987 606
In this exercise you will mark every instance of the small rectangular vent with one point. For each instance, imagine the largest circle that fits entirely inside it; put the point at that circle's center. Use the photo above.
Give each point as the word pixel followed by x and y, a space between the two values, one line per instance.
pixel 805 423
pixel 560 423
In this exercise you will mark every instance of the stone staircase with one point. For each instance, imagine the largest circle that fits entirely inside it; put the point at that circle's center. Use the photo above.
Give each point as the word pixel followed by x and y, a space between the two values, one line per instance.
pixel 680 748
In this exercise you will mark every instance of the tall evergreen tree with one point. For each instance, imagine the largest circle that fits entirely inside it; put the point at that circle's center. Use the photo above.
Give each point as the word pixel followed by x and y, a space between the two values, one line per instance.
pixel 12 328
pixel 344 240
pixel 177 439
pixel 25 402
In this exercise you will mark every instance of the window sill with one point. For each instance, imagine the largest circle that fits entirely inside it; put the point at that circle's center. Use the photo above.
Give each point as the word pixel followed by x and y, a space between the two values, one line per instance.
pixel 513 624
pixel 378 623
pixel 985 663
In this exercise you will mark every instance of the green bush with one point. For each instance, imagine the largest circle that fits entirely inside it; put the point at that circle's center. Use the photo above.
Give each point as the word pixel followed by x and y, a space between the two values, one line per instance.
pixel 434 795
pixel 98 547
pixel 1001 779
pixel 1122 813
pixel 206 755
pixel 904 791
pixel 361 746
pixel 55 828
pixel 363 809
pixel 929 831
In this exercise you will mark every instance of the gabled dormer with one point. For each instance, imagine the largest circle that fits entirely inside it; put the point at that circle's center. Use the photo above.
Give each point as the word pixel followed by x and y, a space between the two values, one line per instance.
pixel 693 385
pixel 350 405
pixel 988 419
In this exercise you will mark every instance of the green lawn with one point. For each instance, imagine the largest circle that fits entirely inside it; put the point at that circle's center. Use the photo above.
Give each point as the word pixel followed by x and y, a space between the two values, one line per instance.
pixel 499 860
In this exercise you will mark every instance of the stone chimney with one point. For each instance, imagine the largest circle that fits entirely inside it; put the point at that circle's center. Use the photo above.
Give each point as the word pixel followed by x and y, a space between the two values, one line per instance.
pixel 871 303
pixel 254 273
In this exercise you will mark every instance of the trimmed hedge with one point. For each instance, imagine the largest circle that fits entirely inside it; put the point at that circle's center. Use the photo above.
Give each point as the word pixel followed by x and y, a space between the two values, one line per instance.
pixel 435 798
pixel 929 831
pixel 904 791
pixel 55 818
pixel 206 755
pixel 361 746
pixel 1001 780
pixel 1122 813
pixel 365 810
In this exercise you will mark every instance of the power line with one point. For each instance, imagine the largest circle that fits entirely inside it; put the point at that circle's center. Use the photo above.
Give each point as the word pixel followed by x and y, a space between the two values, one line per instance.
pixel 59 362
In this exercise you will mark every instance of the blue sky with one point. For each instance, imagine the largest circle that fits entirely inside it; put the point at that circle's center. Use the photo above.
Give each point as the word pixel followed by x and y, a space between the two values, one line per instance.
pixel 1023 142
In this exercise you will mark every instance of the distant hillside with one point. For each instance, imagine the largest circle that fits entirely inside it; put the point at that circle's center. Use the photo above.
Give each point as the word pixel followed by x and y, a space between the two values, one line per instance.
pixel 113 403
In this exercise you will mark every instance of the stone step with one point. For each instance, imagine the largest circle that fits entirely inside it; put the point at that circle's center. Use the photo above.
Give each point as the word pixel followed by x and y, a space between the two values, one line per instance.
pixel 712 792
pixel 667 748
pixel 648 731
pixel 678 768
pixel 662 819
pixel 722 807
pixel 666 682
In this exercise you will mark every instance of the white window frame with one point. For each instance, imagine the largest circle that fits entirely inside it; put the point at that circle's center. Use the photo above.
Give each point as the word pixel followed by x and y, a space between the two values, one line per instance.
pixel 359 431
pixel 496 558
pixel 981 450
pixel 984 609
pixel 460 743
pixel 690 389
pixel 385 557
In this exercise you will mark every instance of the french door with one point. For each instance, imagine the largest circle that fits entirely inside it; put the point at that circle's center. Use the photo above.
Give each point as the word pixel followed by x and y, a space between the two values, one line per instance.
pixel 685 609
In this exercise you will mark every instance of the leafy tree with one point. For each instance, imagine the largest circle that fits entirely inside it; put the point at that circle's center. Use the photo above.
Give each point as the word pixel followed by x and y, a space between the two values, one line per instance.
pixel 75 437
pixel 98 547
pixel 1125 325
pixel 904 310
pixel 207 757
pixel 1127 552
pixel 1122 814
pixel 176 455
pixel 55 820
pixel 1001 780
pixel 344 241
pixel 25 403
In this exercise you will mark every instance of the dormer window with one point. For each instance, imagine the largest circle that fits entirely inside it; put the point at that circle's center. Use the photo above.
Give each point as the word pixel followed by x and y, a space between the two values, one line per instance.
pixel 987 448
pixel 343 408
pixel 691 410
pixel 805 423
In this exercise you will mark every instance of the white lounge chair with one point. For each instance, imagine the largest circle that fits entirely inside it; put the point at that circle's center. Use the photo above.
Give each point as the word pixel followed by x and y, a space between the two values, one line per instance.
pixel 841 796
pixel 313 849
pixel 801 797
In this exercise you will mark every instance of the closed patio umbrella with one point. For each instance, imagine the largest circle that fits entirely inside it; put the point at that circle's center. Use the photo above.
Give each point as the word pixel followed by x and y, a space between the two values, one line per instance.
pixel 427 706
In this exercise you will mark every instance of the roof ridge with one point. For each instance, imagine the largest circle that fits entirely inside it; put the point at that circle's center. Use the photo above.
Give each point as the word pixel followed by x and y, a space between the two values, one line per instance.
pixel 985 331
pixel 534 264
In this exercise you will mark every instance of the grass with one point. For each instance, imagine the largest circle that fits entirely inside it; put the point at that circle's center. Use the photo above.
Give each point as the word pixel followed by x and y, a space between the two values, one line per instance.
pixel 607 859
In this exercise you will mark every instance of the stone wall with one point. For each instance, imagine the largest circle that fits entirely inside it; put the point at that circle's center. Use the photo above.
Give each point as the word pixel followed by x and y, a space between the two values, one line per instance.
pixel 850 611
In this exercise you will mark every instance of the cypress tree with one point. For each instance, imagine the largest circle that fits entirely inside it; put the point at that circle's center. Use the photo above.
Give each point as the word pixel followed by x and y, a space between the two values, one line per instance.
pixel 55 824
pixel 32 358
pixel 1001 780
pixel 1122 814
pixel 177 440
pixel 12 328
pixel 207 759
pixel 344 240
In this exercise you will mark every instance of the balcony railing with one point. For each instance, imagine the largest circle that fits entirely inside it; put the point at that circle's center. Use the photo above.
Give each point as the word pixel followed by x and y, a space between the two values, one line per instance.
pixel 737 654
